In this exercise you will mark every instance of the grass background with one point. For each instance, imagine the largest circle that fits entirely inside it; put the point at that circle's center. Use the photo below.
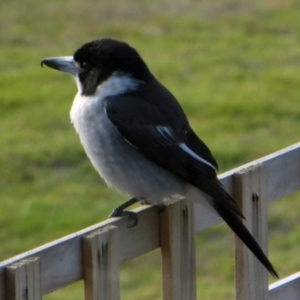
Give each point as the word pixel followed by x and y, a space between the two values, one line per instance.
pixel 233 65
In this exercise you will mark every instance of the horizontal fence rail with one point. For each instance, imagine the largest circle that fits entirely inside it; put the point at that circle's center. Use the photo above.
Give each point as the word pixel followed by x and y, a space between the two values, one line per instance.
pixel 74 257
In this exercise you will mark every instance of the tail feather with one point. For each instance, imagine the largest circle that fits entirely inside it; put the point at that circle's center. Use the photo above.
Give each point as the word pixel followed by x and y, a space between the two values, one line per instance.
pixel 235 223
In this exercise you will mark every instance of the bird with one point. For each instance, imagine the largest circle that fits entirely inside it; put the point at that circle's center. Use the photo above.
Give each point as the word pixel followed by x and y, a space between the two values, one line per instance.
pixel 138 137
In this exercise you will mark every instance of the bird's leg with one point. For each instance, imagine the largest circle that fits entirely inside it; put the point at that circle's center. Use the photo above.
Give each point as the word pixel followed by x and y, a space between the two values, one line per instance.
pixel 119 212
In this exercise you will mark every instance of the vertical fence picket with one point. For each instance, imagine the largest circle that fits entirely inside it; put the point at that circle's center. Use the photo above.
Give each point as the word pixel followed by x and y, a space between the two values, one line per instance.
pixel 178 252
pixel 249 188
pixel 23 280
pixel 101 264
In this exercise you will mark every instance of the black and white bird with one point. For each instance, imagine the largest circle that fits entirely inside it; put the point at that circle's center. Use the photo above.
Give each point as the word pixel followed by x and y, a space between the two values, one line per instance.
pixel 138 138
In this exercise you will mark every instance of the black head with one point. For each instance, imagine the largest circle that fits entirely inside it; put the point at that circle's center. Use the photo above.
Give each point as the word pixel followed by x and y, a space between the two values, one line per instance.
pixel 96 61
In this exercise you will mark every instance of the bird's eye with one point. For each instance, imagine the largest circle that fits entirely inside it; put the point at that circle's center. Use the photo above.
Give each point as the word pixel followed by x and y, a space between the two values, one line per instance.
pixel 84 65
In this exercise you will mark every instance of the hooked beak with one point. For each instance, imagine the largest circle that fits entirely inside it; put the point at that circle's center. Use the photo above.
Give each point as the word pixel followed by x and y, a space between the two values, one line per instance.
pixel 64 64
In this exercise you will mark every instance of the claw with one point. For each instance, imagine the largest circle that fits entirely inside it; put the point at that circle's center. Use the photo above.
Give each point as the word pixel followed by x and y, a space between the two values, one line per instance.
pixel 132 217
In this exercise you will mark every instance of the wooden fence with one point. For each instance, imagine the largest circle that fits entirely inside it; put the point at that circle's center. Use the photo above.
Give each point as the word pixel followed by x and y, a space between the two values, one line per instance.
pixel 96 253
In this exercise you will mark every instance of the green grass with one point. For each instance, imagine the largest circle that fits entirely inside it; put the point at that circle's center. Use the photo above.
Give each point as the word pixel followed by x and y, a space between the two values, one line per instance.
pixel 234 66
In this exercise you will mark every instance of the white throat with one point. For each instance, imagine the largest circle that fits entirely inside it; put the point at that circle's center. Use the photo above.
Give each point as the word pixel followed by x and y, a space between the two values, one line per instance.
pixel 117 84
pixel 87 111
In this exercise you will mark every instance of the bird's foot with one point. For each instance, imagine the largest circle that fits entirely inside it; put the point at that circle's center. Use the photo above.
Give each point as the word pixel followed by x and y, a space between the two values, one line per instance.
pixel 120 212
pixel 132 216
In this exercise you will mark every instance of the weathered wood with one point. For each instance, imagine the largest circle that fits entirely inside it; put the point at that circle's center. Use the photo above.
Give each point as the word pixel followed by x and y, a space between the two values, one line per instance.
pixel 282 168
pixel 23 280
pixel 101 264
pixel 178 251
pixel 61 259
pixel 287 288
pixel 249 190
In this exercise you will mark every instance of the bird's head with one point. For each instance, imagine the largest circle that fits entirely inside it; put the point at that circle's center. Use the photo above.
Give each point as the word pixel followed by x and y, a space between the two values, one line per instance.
pixel 96 61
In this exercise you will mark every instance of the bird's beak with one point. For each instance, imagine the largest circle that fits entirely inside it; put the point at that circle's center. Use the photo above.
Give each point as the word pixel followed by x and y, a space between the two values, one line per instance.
pixel 64 64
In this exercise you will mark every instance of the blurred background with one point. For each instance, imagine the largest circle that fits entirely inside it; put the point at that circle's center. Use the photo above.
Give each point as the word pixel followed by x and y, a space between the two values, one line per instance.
pixel 234 67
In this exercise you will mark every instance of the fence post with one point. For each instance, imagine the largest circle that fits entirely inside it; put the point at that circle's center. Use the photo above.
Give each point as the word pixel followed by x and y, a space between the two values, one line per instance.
pixel 249 190
pixel 23 280
pixel 101 264
pixel 178 251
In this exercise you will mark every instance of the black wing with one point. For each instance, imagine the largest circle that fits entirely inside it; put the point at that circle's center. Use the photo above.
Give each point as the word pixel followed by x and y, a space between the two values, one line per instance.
pixel 175 147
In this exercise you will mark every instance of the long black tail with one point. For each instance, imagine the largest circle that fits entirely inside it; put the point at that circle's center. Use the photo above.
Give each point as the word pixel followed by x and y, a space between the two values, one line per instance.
pixel 234 222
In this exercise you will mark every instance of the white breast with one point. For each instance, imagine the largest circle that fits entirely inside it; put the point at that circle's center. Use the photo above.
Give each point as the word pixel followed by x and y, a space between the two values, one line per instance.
pixel 87 112
pixel 120 164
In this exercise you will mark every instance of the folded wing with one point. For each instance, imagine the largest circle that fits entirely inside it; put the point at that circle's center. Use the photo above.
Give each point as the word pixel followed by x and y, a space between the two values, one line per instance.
pixel 177 148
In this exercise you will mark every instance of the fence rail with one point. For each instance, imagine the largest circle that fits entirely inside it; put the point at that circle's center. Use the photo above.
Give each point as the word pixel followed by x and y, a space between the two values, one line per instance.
pixel 96 253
